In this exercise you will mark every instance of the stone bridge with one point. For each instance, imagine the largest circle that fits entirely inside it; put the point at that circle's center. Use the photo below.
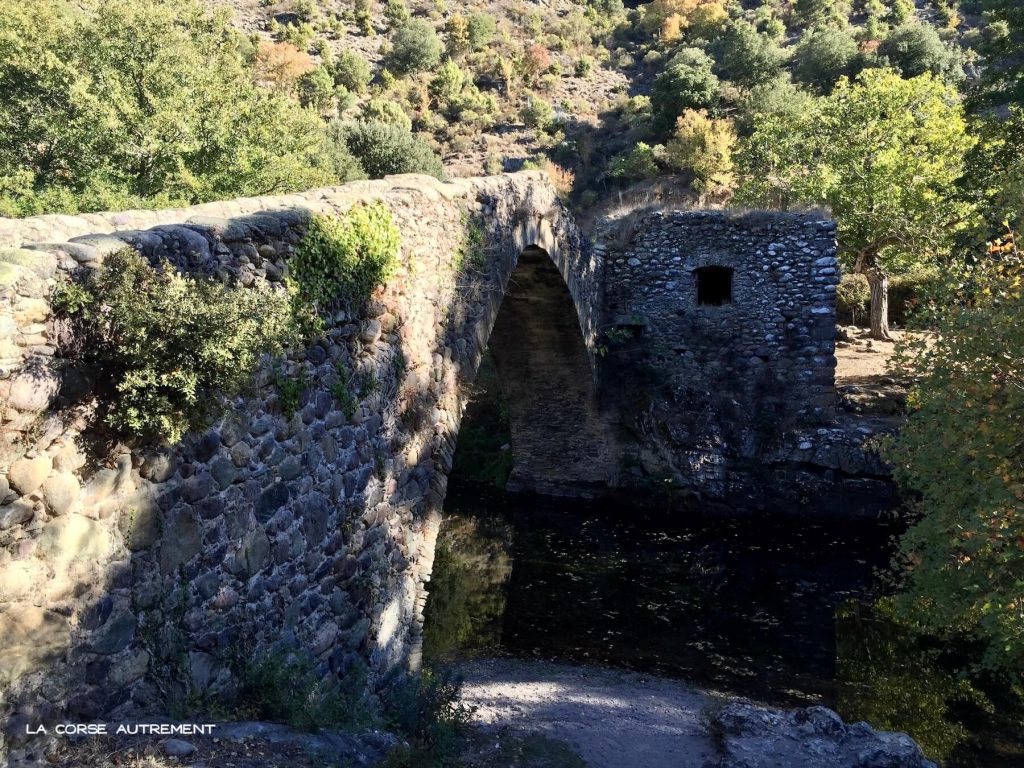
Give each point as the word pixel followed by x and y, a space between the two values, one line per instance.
pixel 132 576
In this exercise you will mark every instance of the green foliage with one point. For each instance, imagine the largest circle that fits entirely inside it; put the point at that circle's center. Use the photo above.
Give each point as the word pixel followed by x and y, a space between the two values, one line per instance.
pixel 852 296
pixel 472 251
pixel 286 688
pixel 640 162
pixel 107 104
pixel 386 111
pixel 824 55
pixel 427 710
pixel 481 30
pixel 352 71
pixel 882 152
pixel 812 12
pixel 415 47
pixel 960 453
pixel 384 149
pixel 342 259
pixel 290 390
pixel 316 90
pixel 167 342
pixel 704 146
pixel 1004 82
pixel 778 100
pixel 747 57
pixel 538 113
pixel 687 82
pixel 994 178
pixel 915 49
pixel 891 676
pixel 396 13
pixel 346 399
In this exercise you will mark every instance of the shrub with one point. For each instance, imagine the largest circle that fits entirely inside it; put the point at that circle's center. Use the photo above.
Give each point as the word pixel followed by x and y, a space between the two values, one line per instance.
pixel 286 688
pixel 167 342
pixel 823 56
pixel 538 113
pixel 427 710
pixel 280 66
pixel 481 31
pixel 635 164
pixel 959 454
pixel 342 259
pixel 316 90
pixel 383 149
pixel 909 291
pixel 811 12
pixel 386 111
pixel 914 49
pixel 583 66
pixel 352 71
pixel 536 59
pixel 415 47
pixel 779 98
pixel 704 146
pixel 447 84
pixel 456 32
pixel 687 82
pixel 852 297
pixel 396 13
pixel 747 57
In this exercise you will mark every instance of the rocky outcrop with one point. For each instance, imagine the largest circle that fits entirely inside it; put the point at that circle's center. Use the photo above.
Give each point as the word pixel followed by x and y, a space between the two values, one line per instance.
pixel 749 736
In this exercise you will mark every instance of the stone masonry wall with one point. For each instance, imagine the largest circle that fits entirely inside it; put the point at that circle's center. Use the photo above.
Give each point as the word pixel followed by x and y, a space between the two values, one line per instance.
pixel 724 380
pixel 130 576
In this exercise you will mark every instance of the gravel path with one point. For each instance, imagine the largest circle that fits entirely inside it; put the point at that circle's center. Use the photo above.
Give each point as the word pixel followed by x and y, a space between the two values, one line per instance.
pixel 614 719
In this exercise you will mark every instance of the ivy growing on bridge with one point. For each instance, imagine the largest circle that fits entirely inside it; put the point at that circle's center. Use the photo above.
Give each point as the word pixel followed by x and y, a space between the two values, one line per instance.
pixel 342 259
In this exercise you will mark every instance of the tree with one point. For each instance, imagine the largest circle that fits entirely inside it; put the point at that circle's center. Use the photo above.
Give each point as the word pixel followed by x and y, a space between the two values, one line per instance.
pixel 915 48
pixel 280 66
pixel 779 99
pixel 352 71
pixel 960 453
pixel 687 82
pixel 812 12
pixel 384 149
pixel 1003 82
pixel 481 30
pixel 105 104
pixel 415 47
pixel 747 57
pixel 823 56
pixel 705 147
pixel 884 154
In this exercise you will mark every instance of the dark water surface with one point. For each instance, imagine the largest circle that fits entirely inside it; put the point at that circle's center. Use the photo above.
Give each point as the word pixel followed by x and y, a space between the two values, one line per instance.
pixel 765 608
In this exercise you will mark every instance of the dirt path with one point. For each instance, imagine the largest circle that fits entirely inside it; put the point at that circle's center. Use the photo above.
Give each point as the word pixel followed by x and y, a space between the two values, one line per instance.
pixel 614 719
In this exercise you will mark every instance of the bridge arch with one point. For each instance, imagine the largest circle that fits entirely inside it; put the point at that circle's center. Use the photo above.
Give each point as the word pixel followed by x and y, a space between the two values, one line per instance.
pixel 560 439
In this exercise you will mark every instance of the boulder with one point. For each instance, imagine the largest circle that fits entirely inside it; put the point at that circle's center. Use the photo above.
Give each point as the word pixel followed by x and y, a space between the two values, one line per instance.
pixel 27 475
pixel 815 737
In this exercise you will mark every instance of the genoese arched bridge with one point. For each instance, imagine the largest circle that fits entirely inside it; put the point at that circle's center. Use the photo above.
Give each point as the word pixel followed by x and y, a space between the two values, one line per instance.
pixel 134 574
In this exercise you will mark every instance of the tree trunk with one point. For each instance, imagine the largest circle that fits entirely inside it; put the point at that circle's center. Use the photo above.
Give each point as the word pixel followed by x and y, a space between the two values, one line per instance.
pixel 879 284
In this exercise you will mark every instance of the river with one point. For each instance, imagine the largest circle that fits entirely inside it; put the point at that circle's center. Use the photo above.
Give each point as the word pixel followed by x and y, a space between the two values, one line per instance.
pixel 767 607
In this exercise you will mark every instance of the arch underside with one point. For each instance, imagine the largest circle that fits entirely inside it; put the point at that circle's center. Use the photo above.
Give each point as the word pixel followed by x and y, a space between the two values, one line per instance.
pixel 561 442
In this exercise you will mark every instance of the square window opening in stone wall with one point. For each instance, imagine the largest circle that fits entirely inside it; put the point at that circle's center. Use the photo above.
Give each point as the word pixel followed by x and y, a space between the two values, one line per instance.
pixel 714 286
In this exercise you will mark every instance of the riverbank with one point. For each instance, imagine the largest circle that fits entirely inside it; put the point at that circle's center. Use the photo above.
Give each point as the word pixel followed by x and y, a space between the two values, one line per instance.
pixel 617 719
pixel 614 719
